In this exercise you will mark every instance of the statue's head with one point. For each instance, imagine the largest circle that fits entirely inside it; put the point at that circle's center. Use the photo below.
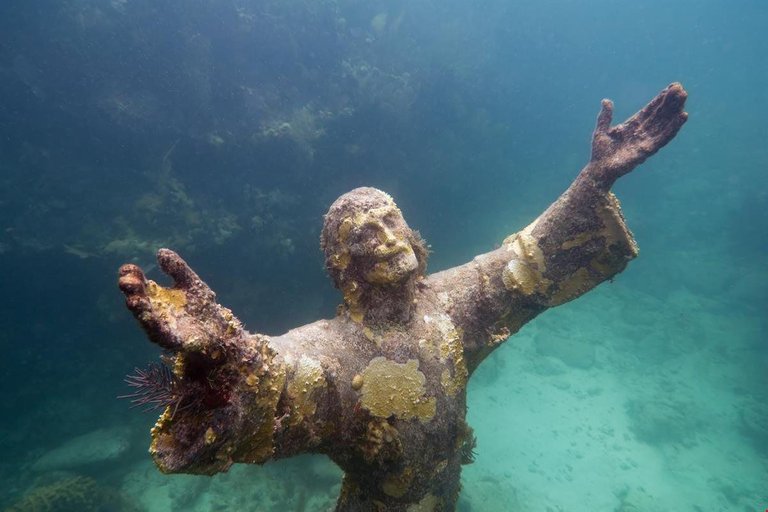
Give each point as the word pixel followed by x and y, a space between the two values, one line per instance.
pixel 366 241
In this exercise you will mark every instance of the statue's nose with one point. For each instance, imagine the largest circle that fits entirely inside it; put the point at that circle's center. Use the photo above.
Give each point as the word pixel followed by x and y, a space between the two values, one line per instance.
pixel 388 243
pixel 387 237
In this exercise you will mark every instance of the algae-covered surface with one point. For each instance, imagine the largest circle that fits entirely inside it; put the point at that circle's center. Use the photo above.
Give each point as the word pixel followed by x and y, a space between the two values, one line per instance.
pixel 224 130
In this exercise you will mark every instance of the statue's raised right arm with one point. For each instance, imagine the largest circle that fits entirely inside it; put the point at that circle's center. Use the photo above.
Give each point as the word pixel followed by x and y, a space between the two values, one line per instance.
pixel 580 241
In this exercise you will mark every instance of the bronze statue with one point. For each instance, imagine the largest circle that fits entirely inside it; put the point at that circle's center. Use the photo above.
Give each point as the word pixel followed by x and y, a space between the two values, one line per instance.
pixel 381 388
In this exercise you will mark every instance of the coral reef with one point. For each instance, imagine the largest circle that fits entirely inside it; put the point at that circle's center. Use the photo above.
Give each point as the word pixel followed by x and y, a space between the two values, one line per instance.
pixel 381 388
pixel 71 493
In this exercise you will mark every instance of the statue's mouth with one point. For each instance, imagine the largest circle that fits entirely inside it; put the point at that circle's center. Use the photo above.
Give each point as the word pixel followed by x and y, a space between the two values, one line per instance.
pixel 394 268
pixel 385 251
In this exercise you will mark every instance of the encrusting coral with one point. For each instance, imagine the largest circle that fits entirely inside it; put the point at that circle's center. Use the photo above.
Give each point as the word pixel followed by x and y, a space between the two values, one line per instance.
pixel 381 388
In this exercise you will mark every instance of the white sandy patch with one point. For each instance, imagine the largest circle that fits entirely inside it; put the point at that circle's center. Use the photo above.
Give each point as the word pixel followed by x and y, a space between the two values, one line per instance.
pixel 651 425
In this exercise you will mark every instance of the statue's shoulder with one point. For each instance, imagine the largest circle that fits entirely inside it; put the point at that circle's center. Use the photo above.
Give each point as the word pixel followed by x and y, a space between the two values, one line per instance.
pixel 317 330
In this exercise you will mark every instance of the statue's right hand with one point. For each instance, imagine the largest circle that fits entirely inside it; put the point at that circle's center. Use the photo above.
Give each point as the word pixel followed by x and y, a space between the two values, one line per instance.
pixel 214 396
pixel 183 317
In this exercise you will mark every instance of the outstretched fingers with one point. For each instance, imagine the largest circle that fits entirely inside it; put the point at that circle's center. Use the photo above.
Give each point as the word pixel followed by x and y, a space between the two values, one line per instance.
pixel 172 264
pixel 133 284
pixel 660 119
pixel 668 104
pixel 670 111
pixel 136 288
pixel 605 116
pixel 184 278
pixel 184 316
pixel 617 150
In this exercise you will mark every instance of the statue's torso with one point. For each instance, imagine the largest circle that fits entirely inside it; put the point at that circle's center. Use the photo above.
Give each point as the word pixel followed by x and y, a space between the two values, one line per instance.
pixel 399 391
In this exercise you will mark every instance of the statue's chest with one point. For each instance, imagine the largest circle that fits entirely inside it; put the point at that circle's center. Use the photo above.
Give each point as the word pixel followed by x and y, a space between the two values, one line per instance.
pixel 440 346
pixel 427 357
pixel 410 393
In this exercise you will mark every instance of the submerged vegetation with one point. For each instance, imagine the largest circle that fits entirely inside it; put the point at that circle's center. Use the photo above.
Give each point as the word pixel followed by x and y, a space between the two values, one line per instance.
pixel 201 139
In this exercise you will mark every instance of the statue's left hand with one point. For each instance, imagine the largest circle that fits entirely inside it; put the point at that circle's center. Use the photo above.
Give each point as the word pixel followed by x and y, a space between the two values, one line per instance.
pixel 617 150
pixel 183 317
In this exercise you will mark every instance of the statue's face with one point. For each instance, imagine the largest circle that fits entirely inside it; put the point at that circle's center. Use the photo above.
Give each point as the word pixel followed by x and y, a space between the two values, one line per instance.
pixel 378 244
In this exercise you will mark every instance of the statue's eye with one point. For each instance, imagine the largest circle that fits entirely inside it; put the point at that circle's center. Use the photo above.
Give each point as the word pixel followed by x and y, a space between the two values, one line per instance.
pixel 372 234
pixel 390 219
pixel 364 235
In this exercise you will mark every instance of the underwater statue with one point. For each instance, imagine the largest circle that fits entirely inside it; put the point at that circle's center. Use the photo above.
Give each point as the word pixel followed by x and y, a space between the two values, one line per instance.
pixel 380 388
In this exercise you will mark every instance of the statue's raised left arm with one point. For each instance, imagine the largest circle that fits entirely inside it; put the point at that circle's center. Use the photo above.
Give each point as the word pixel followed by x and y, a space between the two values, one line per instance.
pixel 580 241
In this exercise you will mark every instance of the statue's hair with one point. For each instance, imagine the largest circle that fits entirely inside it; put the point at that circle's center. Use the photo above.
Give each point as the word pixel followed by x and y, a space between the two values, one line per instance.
pixel 356 201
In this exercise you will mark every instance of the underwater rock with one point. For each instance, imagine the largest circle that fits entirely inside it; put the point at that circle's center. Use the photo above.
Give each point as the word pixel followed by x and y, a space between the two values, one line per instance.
pixel 101 445
pixel 71 493
pixel 659 421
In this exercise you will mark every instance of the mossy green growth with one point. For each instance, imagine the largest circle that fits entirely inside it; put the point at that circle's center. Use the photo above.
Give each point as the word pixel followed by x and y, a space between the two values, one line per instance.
pixel 168 298
pixel 394 389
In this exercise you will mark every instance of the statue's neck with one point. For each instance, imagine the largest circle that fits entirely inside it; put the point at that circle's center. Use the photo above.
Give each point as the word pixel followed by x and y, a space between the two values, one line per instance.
pixel 379 305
